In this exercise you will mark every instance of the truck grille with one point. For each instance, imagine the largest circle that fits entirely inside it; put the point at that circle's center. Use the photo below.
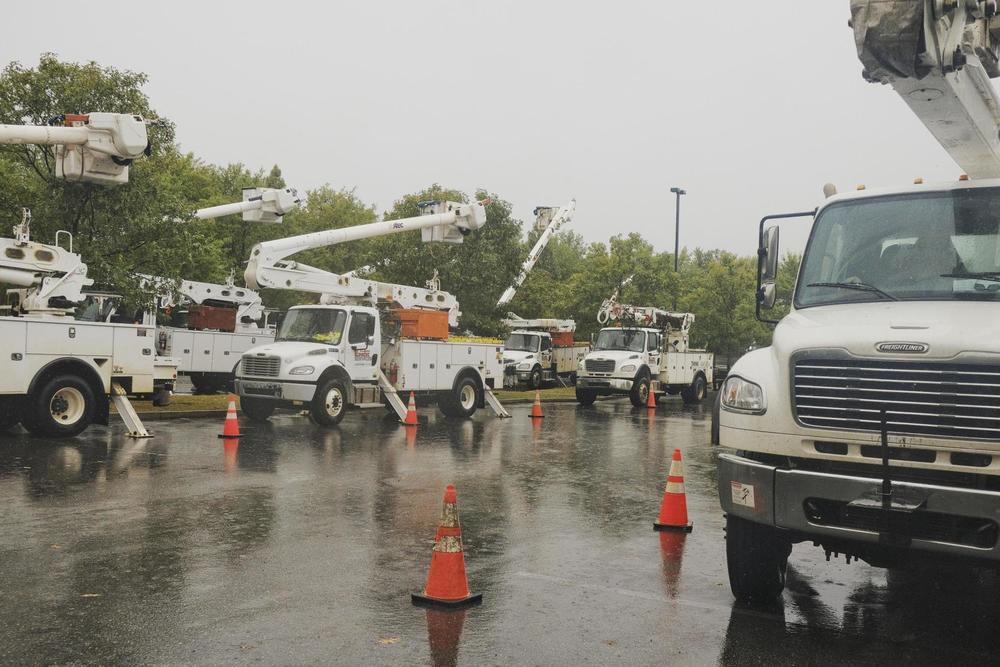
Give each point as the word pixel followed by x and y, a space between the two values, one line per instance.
pixel 929 398
pixel 600 365
pixel 262 367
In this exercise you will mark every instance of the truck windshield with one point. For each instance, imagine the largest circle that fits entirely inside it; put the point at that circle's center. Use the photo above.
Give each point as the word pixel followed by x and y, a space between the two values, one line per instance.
pixel 521 342
pixel 313 325
pixel 935 246
pixel 631 340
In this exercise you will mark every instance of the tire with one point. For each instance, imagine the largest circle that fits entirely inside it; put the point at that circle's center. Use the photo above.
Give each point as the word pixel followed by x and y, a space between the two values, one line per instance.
pixel 757 558
pixel 256 409
pixel 585 397
pixel 716 411
pixel 329 405
pixel 161 398
pixel 535 379
pixel 639 391
pixel 10 414
pixel 204 384
pixel 695 392
pixel 463 399
pixel 61 408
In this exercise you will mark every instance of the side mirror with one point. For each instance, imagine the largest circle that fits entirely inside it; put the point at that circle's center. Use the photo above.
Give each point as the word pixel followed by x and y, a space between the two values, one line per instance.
pixel 769 255
pixel 371 341
pixel 767 265
pixel 767 295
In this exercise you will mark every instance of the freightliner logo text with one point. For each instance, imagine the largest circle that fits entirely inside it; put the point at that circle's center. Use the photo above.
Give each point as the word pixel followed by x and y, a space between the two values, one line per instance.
pixel 915 348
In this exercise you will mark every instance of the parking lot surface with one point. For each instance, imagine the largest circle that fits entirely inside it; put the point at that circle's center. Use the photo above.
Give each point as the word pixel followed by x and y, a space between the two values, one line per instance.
pixel 298 544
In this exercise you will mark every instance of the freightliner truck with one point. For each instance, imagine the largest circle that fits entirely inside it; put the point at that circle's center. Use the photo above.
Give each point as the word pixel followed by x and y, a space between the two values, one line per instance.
pixel 871 425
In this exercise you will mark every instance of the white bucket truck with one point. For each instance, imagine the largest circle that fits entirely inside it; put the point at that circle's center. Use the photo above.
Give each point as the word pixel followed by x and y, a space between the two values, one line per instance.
pixel 647 351
pixel 366 342
pixel 871 425
pixel 541 350
pixel 57 373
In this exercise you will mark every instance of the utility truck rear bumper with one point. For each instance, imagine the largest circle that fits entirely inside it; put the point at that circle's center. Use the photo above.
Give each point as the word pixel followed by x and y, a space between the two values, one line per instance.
pixel 842 509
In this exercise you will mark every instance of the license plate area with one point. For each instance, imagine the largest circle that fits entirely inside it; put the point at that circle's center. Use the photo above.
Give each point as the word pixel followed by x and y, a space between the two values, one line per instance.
pixel 258 389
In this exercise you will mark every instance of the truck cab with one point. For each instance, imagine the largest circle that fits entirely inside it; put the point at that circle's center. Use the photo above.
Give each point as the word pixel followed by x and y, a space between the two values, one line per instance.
pixel 321 356
pixel 526 355
pixel 871 425
pixel 623 360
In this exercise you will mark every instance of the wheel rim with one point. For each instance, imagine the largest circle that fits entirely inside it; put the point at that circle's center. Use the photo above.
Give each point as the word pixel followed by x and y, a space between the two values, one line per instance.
pixel 467 397
pixel 334 402
pixel 67 405
pixel 643 391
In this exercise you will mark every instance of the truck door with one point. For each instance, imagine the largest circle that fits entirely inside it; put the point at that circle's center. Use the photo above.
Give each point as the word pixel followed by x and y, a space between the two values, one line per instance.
pixel 653 350
pixel 545 353
pixel 361 354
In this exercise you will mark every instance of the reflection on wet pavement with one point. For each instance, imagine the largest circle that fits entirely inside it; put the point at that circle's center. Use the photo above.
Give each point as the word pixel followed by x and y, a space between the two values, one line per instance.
pixel 298 544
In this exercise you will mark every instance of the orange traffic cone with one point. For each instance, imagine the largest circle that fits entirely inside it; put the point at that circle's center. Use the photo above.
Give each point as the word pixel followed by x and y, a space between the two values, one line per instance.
pixel 536 409
pixel 411 412
pixel 231 428
pixel 651 398
pixel 673 510
pixel 447 585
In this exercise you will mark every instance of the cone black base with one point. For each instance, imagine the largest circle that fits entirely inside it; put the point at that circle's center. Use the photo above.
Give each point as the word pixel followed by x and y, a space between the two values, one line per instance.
pixel 679 529
pixel 228 437
pixel 422 600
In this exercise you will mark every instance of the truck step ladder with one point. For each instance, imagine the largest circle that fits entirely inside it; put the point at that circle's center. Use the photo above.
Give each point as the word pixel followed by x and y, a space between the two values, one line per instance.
pixel 128 413
pixel 392 396
pixel 495 405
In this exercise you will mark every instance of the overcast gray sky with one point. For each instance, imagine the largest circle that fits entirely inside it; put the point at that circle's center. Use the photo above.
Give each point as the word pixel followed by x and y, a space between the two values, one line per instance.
pixel 750 106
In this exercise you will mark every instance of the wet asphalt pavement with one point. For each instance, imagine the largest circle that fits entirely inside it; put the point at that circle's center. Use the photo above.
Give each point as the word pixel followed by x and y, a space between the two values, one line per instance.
pixel 301 545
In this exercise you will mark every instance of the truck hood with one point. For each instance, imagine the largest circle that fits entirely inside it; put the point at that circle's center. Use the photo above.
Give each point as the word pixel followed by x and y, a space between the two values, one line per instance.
pixel 517 356
pixel 946 328
pixel 287 350
pixel 617 356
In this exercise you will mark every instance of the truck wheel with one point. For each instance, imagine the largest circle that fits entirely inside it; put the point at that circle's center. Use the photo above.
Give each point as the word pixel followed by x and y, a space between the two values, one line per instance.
pixel 585 397
pixel 757 558
pixel 695 392
pixel 330 403
pixel 463 399
pixel 161 398
pixel 640 391
pixel 716 411
pixel 62 408
pixel 535 379
pixel 256 409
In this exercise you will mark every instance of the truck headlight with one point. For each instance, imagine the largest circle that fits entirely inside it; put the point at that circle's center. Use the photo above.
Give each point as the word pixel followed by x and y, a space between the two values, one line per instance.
pixel 302 370
pixel 741 395
pixel 524 366
pixel 627 368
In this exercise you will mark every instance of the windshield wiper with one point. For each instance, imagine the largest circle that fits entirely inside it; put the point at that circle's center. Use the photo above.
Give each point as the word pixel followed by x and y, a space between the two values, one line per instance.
pixel 979 275
pixel 860 287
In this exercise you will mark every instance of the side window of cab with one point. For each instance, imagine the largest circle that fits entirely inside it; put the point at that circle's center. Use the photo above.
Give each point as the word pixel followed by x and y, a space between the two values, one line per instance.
pixel 362 326
pixel 546 344
pixel 652 342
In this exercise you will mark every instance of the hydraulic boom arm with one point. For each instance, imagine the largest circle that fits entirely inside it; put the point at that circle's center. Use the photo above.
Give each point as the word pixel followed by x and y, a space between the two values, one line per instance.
pixel 441 221
pixel 549 224
pixel 939 56
pixel 94 147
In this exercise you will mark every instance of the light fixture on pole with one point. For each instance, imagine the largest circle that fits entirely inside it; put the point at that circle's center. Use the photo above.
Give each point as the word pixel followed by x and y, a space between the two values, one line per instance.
pixel 677 233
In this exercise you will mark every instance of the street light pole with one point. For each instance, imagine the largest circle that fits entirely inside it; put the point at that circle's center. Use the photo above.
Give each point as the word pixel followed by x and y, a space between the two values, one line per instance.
pixel 677 234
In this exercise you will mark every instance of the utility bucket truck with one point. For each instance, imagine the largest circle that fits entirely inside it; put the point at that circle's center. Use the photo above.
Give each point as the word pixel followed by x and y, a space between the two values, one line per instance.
pixel 646 351
pixel 367 342
pixel 540 350
pixel 871 425
pixel 58 374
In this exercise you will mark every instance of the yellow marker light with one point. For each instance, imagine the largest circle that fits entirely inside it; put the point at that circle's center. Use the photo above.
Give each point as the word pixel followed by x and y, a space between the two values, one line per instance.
pixel 861 187
pixel 963 177
pixel 918 181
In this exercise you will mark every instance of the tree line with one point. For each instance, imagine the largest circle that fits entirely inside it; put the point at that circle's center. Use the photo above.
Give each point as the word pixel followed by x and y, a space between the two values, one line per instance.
pixel 145 227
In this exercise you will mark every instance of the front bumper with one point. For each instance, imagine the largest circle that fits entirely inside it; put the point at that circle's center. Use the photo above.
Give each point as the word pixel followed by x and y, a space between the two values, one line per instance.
pixel 604 384
pixel 823 506
pixel 275 389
